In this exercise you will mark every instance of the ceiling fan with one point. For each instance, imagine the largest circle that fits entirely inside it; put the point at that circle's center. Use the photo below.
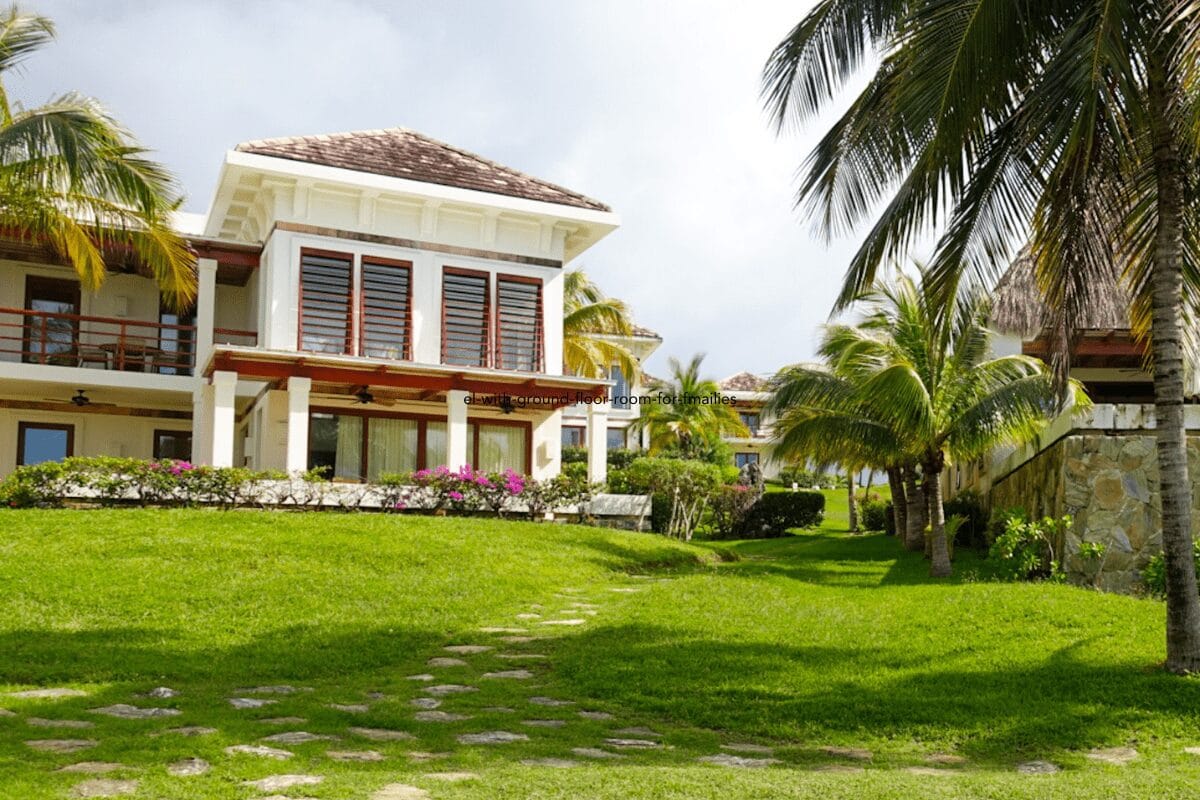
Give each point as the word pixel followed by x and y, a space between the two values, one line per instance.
pixel 80 400
pixel 364 396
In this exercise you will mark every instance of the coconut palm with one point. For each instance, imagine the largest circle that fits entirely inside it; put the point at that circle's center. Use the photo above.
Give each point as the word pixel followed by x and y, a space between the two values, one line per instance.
pixel 593 327
pixel 73 178
pixel 688 416
pixel 1069 125
pixel 915 381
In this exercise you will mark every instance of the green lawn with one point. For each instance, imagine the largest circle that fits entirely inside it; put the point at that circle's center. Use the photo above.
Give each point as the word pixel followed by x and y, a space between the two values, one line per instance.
pixel 815 640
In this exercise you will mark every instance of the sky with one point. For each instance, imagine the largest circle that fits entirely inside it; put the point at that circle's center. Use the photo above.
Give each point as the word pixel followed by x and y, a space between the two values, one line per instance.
pixel 652 108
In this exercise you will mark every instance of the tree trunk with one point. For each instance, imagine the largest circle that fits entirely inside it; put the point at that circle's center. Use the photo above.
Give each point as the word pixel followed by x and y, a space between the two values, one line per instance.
pixel 853 504
pixel 936 478
pixel 940 566
pixel 1166 340
pixel 896 483
pixel 914 528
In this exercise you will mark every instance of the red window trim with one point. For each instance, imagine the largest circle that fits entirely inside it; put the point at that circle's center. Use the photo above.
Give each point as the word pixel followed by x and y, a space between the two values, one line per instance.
pixel 348 347
pixel 408 309
pixel 488 310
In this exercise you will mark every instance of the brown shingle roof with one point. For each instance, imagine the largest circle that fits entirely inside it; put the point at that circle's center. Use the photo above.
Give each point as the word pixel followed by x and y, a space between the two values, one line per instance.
pixel 645 333
pixel 744 382
pixel 401 153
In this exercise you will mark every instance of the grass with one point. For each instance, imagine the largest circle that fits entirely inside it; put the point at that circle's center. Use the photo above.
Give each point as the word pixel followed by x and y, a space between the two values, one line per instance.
pixel 803 642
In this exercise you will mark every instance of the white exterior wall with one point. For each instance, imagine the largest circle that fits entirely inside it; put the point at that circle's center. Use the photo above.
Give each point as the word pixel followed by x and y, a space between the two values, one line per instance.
pixel 95 434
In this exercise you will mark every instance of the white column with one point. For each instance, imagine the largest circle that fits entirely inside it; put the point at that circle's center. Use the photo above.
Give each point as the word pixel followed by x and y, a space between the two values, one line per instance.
pixel 597 441
pixel 206 300
pixel 297 423
pixel 202 404
pixel 224 386
pixel 457 446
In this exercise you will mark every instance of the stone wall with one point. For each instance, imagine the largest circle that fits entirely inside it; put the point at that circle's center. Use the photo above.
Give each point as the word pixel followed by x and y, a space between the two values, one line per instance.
pixel 1109 486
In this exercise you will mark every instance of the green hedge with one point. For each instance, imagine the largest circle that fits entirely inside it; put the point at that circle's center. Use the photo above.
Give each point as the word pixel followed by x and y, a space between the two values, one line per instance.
pixel 776 513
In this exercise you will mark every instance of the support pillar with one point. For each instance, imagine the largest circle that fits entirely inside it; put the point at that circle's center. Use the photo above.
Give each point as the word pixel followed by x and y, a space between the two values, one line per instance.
pixel 457 444
pixel 298 390
pixel 597 441
pixel 224 389
pixel 206 300
pixel 202 405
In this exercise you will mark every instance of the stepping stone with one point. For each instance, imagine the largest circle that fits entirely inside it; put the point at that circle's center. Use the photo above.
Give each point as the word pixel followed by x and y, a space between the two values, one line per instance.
pixel 597 715
pixel 446 662
pixel 844 769
pixel 126 711
pixel 425 702
pixel 282 720
pixel 296 737
pixel 594 752
pixel 558 763
pixel 187 730
pixel 638 731
pixel 451 777
pixel 278 689
pixel 492 737
pixel 512 674
pixel 633 744
pixel 103 787
pixel 382 734
pixel 424 676
pixel 544 723
pixel 421 756
pixel 274 783
pixel 625 589
pixel 1192 751
pixel 932 772
pixel 349 708
pixel 162 693
pixel 521 656
pixel 946 759
pixel 529 615
pixel 563 622
pixel 92 767
pixel 355 755
pixel 448 688
pixel 856 753
pixel 550 702
pixel 439 716
pixel 517 639
pixel 249 702
pixel 1117 756
pixel 499 710
pixel 502 630
pixel 188 766
pixel 727 760
pixel 1037 768
pixel 746 747
pixel 47 694
pixel 259 750
pixel 4 712
pixel 467 649
pixel 376 695
pixel 38 722
pixel 400 791
pixel 61 745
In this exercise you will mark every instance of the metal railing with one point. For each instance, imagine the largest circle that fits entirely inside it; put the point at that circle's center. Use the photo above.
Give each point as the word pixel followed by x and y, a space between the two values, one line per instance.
pixel 76 340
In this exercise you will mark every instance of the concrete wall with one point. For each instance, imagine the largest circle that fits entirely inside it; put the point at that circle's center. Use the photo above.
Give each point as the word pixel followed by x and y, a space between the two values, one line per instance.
pixel 95 434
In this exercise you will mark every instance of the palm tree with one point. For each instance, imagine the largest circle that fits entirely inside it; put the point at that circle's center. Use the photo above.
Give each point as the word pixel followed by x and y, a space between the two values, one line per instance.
pixel 593 325
pixel 689 416
pixel 1069 125
pixel 73 178
pixel 915 381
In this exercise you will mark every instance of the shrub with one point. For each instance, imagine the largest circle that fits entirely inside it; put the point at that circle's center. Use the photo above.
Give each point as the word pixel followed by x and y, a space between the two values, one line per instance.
pixel 1030 549
pixel 618 482
pixel 575 469
pixel 874 515
pixel 622 457
pixel 35 486
pixel 969 506
pixel 889 520
pixel 687 485
pixel 806 479
pixel 999 520
pixel 1154 574
pixel 776 513
pixel 574 455
pixel 729 506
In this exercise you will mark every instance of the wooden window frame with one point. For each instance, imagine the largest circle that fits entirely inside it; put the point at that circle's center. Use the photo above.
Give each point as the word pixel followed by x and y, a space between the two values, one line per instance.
pixel 539 335
pixel 360 313
pixel 24 425
pixel 488 313
pixel 158 432
pixel 348 347
pixel 47 281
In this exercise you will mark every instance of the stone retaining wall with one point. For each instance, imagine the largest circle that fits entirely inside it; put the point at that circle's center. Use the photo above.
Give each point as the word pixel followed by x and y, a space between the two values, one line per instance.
pixel 1109 486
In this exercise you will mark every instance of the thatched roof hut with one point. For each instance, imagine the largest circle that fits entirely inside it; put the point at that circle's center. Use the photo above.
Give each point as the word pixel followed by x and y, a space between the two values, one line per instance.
pixel 1018 307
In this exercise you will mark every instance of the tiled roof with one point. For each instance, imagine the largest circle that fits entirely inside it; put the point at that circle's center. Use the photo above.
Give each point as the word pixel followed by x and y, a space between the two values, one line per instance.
pixel 401 153
pixel 744 382
pixel 645 333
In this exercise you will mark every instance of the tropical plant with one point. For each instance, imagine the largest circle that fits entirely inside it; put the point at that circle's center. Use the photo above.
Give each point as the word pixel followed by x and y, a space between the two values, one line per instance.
pixel 1066 125
pixel 73 178
pixel 593 325
pixel 689 416
pixel 915 380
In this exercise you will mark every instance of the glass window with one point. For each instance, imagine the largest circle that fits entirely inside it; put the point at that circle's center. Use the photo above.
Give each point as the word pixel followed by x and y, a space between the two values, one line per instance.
pixel 750 419
pixel 519 324
pixel 742 459
pixel 572 436
pixel 392 446
pixel 175 343
pixel 435 444
pixel 51 334
pixel 465 319
pixel 41 442
pixel 386 316
pixel 175 445
pixel 326 282
pixel 501 447
pixel 335 444
pixel 620 389
pixel 616 438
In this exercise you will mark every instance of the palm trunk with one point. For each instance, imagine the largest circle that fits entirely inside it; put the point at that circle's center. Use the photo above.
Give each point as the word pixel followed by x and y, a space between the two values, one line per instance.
pixel 1166 339
pixel 853 505
pixel 914 526
pixel 940 566
pixel 932 482
pixel 896 483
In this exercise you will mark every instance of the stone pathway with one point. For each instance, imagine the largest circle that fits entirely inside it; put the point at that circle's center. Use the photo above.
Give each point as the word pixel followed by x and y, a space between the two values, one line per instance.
pixel 355 755
pixel 492 737
pixel 61 745
pixel 382 734
pixel 297 737
pixel 188 767
pixel 1116 756
pixel 727 760
pixel 38 722
pixel 1037 768
pixel 259 750
pixel 92 767
pixel 274 783
pixel 47 694
pixel 126 711
pixel 400 791
pixel 104 787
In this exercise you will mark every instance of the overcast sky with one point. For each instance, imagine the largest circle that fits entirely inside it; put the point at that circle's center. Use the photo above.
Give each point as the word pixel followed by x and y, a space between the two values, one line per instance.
pixel 651 107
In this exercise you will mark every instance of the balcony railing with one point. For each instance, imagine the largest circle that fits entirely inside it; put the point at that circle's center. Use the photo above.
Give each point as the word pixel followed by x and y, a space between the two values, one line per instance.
pixel 75 340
